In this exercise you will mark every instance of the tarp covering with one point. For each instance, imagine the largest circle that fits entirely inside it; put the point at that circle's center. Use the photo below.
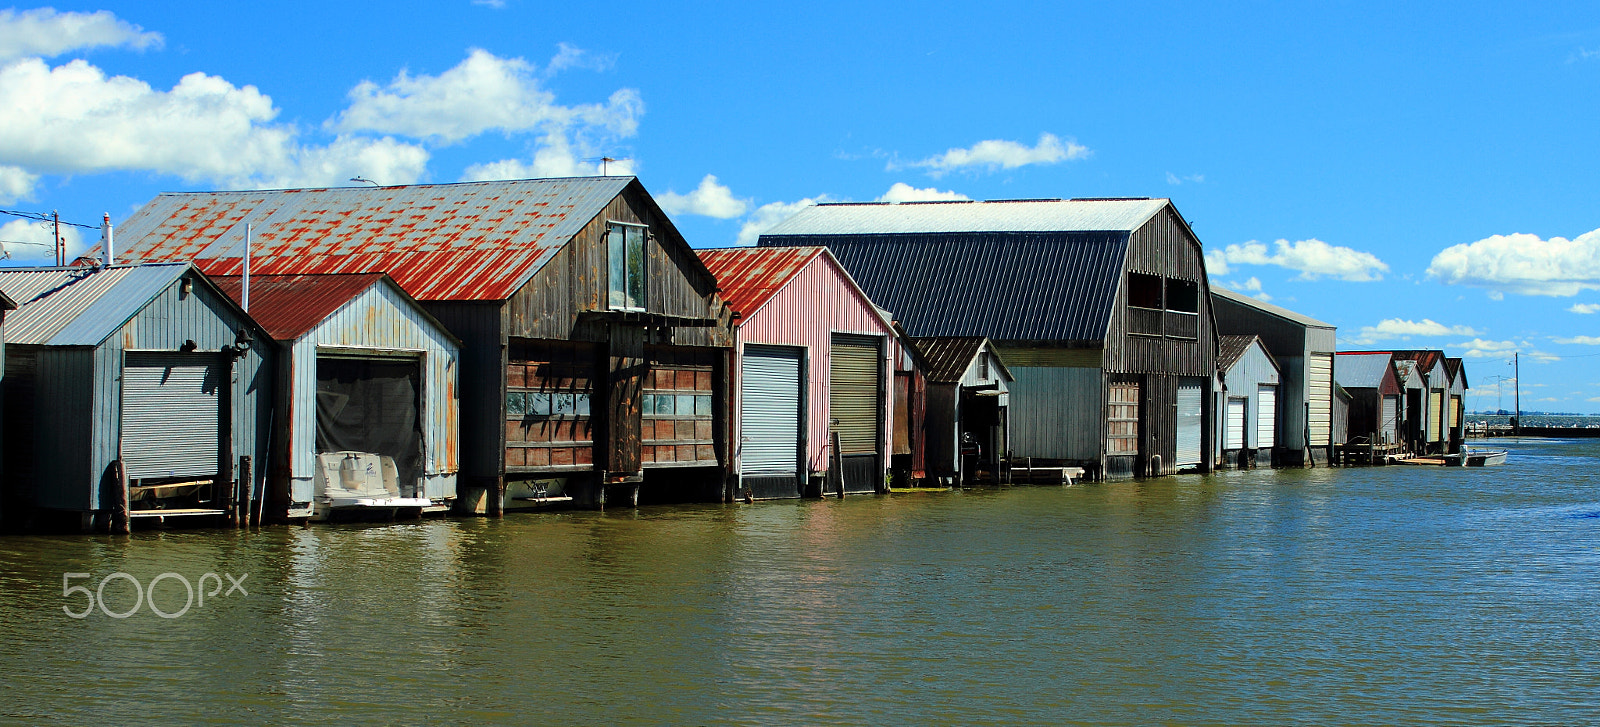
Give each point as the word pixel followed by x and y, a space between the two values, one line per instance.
pixel 371 405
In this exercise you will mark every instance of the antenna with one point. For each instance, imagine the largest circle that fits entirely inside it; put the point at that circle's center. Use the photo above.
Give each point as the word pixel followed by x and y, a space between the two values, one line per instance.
pixel 364 180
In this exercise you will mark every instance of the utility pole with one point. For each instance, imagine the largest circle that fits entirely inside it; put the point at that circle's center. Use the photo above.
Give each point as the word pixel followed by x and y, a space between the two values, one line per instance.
pixel 1516 371
pixel 55 239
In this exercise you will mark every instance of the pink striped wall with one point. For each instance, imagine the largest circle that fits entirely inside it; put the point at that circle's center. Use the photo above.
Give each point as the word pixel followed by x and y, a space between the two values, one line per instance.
pixel 819 301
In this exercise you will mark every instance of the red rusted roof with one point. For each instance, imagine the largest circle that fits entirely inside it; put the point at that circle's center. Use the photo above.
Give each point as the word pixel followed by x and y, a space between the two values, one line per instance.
pixel 289 306
pixel 750 276
pixel 469 241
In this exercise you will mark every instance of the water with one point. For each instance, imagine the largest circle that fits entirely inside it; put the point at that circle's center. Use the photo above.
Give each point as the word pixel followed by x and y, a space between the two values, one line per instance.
pixel 1405 595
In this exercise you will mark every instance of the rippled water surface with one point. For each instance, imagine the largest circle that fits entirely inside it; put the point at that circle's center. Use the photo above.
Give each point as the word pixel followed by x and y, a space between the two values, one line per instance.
pixel 1390 595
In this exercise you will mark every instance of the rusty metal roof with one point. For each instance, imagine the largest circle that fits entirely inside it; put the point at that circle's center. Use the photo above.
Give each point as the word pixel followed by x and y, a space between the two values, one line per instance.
pixel 750 276
pixel 79 306
pixel 289 306
pixel 948 357
pixel 467 241
pixel 1231 348
pixel 1455 368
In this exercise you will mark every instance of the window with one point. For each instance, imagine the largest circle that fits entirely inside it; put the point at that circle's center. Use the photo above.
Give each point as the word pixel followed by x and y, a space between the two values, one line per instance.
pixel 625 255
pixel 1183 296
pixel 1144 290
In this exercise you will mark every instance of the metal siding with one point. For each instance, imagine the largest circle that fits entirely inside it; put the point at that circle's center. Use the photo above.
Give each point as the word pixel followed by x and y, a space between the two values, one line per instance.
pixel 382 317
pixel 1319 383
pixel 1191 424
pixel 65 389
pixel 1266 431
pixel 171 411
pixel 769 416
pixel 1389 425
pixel 1056 412
pixel 480 375
pixel 815 303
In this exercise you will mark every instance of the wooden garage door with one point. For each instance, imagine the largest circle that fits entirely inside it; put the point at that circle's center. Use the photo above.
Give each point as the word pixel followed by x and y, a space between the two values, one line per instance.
pixel 679 409
pixel 1235 435
pixel 1266 416
pixel 171 418
pixel 1319 378
pixel 1435 415
pixel 1122 419
pixel 549 395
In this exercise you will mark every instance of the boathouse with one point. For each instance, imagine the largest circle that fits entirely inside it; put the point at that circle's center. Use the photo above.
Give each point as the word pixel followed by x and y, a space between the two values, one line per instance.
pixel 1456 409
pixel 968 398
pixel 574 300
pixel 136 384
pixel 1250 381
pixel 814 362
pixel 1100 308
pixel 1375 396
pixel 1429 436
pixel 1413 395
pixel 363 369
pixel 1303 347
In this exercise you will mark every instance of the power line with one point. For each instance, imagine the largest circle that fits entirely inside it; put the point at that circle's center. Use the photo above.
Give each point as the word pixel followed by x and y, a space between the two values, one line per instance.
pixel 42 217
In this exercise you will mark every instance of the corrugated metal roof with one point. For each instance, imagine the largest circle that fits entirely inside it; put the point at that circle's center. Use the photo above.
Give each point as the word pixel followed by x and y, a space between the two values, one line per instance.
pixel 1278 311
pixel 80 306
pixel 750 276
pixel 1427 361
pixel 289 306
pixel 1099 215
pixel 468 241
pixel 1454 367
pixel 948 357
pixel 1002 285
pixel 1231 348
pixel 1355 370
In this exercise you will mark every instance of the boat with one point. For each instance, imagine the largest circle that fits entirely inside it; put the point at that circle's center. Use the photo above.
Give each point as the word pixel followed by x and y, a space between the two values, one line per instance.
pixel 1485 457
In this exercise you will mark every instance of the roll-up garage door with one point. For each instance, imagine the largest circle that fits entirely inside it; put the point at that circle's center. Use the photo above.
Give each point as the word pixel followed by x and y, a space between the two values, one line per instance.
pixel 1435 414
pixel 171 414
pixel 1236 409
pixel 1266 416
pixel 1389 426
pixel 769 412
pixel 1191 421
pixel 853 395
pixel 1319 374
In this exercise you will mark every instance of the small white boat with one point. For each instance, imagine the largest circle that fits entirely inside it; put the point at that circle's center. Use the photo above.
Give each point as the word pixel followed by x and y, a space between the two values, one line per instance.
pixel 1485 457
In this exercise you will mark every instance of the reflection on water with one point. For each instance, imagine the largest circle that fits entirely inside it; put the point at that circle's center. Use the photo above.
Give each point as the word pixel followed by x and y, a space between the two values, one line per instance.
pixel 1391 595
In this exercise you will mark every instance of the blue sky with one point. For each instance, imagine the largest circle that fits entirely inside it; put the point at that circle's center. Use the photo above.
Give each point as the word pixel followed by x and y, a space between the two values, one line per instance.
pixel 1429 170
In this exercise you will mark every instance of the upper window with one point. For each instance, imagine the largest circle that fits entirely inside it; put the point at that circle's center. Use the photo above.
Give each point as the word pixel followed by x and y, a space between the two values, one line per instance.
pixel 1144 290
pixel 625 254
pixel 1183 295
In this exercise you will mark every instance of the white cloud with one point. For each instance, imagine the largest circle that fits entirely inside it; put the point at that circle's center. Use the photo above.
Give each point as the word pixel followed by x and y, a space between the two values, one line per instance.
pixel 47 33
pixel 1396 328
pixel 1579 340
pixel 770 214
pixel 483 93
pixel 570 56
pixel 902 192
pixel 710 199
pixel 496 4
pixel 1585 308
pixel 75 119
pixel 1311 258
pixel 1480 348
pixel 16 183
pixel 34 238
pixel 1251 287
pixel 995 154
pixel 1175 179
pixel 1523 263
